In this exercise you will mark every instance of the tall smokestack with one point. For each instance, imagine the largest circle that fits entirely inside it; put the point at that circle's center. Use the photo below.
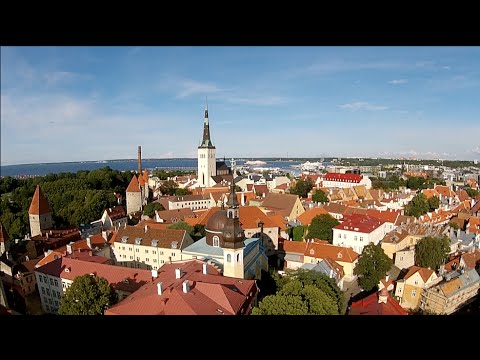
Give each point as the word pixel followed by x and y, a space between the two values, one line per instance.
pixel 139 159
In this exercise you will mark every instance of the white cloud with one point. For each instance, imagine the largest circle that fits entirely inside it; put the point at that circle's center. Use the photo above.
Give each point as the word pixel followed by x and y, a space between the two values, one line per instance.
pixel 476 150
pixel 363 105
pixel 398 82
pixel 58 77
pixel 259 100
pixel 190 87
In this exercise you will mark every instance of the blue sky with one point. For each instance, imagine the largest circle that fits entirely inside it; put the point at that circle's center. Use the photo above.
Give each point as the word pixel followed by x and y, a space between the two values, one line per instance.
pixel 100 103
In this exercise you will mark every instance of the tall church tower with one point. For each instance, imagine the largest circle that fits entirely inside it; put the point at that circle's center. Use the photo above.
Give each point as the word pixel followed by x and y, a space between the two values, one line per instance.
pixel 39 213
pixel 233 239
pixel 207 159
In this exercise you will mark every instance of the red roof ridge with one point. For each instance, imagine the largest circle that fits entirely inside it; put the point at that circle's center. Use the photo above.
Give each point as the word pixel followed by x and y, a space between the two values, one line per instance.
pixel 39 204
pixel 134 186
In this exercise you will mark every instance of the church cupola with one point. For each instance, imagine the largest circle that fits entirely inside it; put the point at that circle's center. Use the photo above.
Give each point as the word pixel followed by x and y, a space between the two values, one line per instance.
pixel 233 234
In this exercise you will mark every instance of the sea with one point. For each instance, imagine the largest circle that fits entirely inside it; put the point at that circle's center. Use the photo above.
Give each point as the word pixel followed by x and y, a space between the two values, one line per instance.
pixel 185 164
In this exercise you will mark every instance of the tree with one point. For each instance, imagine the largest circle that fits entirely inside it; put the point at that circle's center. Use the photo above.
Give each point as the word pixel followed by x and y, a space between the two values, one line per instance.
pixel 433 203
pixel 168 187
pixel 471 192
pixel 321 227
pixel 302 187
pixel 453 224
pixel 180 192
pixel 182 225
pixel 149 209
pixel 298 232
pixel 417 206
pixel 88 295
pixel 198 232
pixel 431 252
pixel 320 197
pixel 372 266
pixel 305 292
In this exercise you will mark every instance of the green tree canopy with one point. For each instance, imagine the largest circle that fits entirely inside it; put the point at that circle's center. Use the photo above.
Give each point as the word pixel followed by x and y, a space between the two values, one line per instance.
pixel 88 295
pixel 453 224
pixel 471 192
pixel 431 252
pixel 304 292
pixel 321 227
pixel 182 225
pixel 417 206
pixel 150 208
pixel 180 192
pixel 320 197
pixel 433 203
pixel 168 187
pixel 302 187
pixel 372 266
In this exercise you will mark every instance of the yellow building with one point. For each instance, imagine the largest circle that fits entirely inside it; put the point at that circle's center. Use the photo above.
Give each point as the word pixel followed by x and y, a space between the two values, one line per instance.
pixel 456 291
pixel 148 248
pixel 409 289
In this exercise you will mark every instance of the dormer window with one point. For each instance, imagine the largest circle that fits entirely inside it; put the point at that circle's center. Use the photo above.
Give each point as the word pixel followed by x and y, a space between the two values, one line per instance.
pixel 138 241
pixel 312 252
pixel 124 239
pixel 216 241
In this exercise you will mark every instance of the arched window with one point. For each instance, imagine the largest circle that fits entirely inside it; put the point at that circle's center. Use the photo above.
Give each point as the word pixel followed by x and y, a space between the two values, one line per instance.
pixel 216 241
pixel 229 258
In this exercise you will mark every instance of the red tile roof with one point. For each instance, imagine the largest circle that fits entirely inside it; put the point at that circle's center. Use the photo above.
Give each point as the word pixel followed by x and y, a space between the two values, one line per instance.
pixel 145 176
pixel 283 186
pixel 121 278
pixel 462 195
pixel 472 259
pixel 3 234
pixel 359 223
pixel 141 180
pixel 281 203
pixel 445 190
pixel 54 239
pixel 307 217
pixel 322 250
pixel 351 178
pixel 424 273
pixel 389 216
pixel 371 305
pixel 208 294
pixel 260 189
pixel 297 247
pixel 39 204
pixel 116 212
pixel 171 216
pixel 278 219
pixel 429 193
pixel 134 186
pixel 165 237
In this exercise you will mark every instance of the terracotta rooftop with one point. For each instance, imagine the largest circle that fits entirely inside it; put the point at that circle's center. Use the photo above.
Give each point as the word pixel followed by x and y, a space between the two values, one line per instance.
pixel 351 178
pixel 335 208
pixel 121 278
pixel 164 238
pixel 116 212
pixel 387 216
pixel 307 217
pixel 207 294
pixel 54 239
pixel 445 190
pixel 281 203
pixel 39 204
pixel 372 306
pixel 171 216
pixel 249 216
pixel 472 259
pixel 278 220
pixel 323 249
pixel 360 223
pixel 424 273
pixel 429 193
pixel 462 195
pixel 297 247
pixel 134 186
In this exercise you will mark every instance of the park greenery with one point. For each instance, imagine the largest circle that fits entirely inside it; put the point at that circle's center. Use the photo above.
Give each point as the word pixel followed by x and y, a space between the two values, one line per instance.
pixel 321 227
pixel 320 197
pixel 170 187
pixel 75 198
pixel 303 292
pixel 151 208
pixel 372 266
pixel 421 205
pixel 165 174
pixel 87 295
pixel 431 252
pixel 196 232
pixel 302 187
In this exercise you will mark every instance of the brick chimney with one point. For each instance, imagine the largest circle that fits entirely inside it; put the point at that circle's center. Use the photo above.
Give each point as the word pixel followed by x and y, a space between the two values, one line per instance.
pixel 139 160
pixel 178 273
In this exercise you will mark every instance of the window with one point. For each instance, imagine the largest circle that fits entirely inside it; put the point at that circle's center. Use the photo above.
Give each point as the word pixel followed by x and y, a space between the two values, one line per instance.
pixel 361 238
pixel 59 295
pixel 173 254
pixel 339 236
pixel 154 252
pixel 229 258
pixel 56 282
pixel 414 293
pixel 216 241
pixel 63 285
pixel 50 301
pixel 162 261
pixel 161 252
pixel 138 259
pixel 146 251
pixel 51 281
pixel 344 236
pixel 40 277
pixel 147 259
pixel 416 282
pixel 137 250
pixel 154 260
pixel 123 247
pixel 238 257
pixel 56 303
pixel 54 294
pixel 48 292
pixel 131 257
pixel 355 238
pixel 43 290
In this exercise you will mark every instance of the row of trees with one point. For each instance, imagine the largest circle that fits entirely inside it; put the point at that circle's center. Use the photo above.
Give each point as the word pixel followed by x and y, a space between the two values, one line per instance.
pixel 320 228
pixel 75 198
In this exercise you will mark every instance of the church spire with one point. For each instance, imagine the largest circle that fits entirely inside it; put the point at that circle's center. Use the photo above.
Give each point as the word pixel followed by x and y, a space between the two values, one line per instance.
pixel 206 141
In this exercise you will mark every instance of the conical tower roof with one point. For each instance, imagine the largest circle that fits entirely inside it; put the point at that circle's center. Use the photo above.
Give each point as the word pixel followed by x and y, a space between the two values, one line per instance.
pixel 39 205
pixel 134 186
pixel 3 234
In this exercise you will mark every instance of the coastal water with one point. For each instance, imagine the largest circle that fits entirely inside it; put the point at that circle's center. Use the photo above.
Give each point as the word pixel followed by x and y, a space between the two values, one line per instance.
pixel 124 165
